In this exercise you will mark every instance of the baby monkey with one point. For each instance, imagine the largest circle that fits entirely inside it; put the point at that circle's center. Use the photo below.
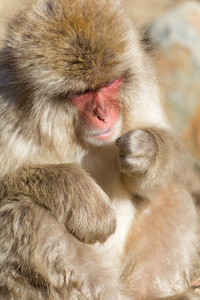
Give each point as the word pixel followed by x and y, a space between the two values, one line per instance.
pixel 83 136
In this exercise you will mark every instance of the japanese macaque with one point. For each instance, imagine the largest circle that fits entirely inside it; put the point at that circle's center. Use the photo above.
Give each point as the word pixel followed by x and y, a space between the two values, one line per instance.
pixel 95 187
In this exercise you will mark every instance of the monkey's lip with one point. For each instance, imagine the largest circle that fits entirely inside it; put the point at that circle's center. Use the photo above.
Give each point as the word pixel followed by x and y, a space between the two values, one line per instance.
pixel 105 134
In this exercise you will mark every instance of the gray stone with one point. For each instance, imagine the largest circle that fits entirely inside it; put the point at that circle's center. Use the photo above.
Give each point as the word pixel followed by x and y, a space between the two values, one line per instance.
pixel 177 33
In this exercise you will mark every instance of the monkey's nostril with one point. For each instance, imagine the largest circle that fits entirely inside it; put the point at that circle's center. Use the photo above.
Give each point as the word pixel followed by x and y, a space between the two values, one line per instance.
pixel 104 119
pixel 102 114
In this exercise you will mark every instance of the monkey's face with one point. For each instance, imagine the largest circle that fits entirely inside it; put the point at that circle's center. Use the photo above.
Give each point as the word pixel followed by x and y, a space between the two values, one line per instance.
pixel 99 112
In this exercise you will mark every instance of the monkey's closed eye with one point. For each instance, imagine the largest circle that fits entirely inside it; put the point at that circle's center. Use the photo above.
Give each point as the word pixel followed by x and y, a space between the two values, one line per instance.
pixel 70 95
pixel 82 92
pixel 79 93
pixel 109 82
pixel 105 84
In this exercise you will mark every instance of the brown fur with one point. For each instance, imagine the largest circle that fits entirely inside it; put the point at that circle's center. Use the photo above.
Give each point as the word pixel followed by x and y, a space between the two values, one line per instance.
pixel 69 200
pixel 61 192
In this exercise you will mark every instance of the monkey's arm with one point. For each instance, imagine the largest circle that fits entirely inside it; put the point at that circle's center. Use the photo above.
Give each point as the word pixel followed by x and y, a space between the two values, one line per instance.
pixel 34 242
pixel 151 159
pixel 162 240
pixel 70 194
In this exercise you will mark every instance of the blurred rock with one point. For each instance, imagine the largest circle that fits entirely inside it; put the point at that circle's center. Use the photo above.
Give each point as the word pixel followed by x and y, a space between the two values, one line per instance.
pixel 146 11
pixel 176 36
pixel 192 134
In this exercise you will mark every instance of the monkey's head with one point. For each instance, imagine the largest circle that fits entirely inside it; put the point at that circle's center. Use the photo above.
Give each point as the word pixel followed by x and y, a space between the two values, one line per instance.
pixel 73 56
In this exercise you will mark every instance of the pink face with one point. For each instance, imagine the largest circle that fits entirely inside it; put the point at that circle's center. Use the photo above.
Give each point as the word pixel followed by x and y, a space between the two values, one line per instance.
pixel 100 110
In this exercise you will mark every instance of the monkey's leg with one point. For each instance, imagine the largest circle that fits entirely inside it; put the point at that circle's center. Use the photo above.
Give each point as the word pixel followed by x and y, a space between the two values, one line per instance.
pixel 70 194
pixel 31 239
pixel 16 286
pixel 191 295
pixel 161 246
pixel 39 257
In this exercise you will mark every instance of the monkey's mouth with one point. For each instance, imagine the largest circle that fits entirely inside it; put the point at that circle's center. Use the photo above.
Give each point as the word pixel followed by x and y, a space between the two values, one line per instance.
pixel 110 133
pixel 107 134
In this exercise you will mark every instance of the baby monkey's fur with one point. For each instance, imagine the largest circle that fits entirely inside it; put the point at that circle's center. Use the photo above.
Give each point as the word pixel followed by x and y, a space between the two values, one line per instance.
pixel 83 218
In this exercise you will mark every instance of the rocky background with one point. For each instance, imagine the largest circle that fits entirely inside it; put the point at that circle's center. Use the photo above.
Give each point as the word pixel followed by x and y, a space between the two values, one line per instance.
pixel 173 27
pixel 176 47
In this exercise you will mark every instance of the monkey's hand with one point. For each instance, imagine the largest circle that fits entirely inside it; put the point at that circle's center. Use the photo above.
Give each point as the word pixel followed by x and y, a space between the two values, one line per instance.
pixel 71 194
pixel 137 151
pixel 90 217
pixel 151 159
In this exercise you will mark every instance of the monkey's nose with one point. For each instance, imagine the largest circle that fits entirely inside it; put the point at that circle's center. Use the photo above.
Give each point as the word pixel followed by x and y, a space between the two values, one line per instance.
pixel 102 113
